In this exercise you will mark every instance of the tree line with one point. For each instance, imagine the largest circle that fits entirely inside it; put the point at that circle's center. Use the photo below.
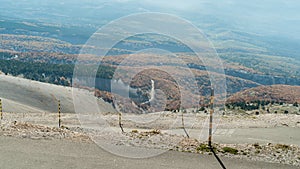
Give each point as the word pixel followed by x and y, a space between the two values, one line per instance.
pixel 254 105
pixel 60 74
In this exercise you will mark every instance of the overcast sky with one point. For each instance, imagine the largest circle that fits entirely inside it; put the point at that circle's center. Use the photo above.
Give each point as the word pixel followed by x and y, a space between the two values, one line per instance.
pixel 265 16
pixel 274 17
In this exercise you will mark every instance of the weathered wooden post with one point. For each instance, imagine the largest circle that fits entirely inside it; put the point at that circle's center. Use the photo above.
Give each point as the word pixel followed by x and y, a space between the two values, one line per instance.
pixel 211 116
pixel 182 121
pixel 1 112
pixel 59 109
pixel 120 122
pixel 211 128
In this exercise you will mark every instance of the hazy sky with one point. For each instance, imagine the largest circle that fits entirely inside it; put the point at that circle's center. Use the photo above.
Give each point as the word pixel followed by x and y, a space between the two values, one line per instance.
pixel 274 17
pixel 265 16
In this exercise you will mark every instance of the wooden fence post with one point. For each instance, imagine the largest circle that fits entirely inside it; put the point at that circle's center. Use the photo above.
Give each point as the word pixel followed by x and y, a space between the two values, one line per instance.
pixel 120 122
pixel 211 116
pixel 1 112
pixel 182 121
pixel 211 127
pixel 59 120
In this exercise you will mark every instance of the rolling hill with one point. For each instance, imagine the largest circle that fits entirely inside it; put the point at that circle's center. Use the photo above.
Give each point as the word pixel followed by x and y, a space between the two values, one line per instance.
pixel 277 93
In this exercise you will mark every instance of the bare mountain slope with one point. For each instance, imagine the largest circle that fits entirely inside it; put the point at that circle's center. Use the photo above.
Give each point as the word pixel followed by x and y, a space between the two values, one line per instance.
pixel 22 95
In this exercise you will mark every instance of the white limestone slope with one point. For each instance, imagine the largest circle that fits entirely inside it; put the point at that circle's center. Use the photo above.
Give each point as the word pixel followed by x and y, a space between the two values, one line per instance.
pixel 23 95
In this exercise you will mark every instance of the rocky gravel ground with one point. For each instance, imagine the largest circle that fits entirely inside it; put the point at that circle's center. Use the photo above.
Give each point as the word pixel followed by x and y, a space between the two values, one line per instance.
pixel 271 152
pixel 43 126
pixel 32 131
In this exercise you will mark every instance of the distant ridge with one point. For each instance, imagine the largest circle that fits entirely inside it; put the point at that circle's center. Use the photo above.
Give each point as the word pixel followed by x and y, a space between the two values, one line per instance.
pixel 277 93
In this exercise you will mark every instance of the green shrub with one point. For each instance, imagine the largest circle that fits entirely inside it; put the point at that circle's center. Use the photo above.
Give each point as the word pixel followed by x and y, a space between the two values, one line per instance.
pixel 203 147
pixel 282 146
pixel 230 150
pixel 257 146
